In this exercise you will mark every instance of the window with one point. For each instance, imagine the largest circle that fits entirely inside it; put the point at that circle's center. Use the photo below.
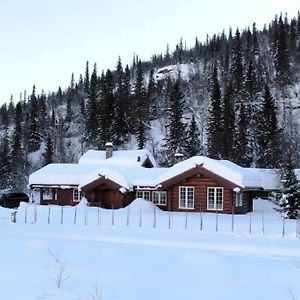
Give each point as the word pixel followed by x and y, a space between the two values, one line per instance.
pixel 239 199
pixel 77 196
pixel 159 197
pixel 143 194
pixel 215 198
pixel 186 197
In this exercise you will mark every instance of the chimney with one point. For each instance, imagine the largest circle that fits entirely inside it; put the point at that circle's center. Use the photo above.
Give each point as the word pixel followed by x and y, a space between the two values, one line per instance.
pixel 109 150
pixel 178 157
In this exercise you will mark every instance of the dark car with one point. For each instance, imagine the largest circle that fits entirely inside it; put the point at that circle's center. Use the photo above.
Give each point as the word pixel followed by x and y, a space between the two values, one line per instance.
pixel 12 199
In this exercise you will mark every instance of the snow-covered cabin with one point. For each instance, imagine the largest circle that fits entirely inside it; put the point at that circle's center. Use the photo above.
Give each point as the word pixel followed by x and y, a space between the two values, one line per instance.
pixel 115 178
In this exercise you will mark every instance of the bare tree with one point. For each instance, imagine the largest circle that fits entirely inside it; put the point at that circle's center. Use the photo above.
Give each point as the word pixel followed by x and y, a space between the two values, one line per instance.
pixel 61 274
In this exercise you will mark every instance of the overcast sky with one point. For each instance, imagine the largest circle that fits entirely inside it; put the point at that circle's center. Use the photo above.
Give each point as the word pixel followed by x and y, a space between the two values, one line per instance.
pixel 43 42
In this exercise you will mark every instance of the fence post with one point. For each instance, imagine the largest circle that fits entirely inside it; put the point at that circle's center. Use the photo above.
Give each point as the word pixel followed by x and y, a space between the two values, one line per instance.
pixel 85 216
pixel 217 220
pixel 113 215
pixel 169 219
pixel 298 228
pixel 140 221
pixel 250 222
pixel 154 216
pixel 75 215
pixel 98 216
pixel 49 212
pixel 186 220
pixel 25 217
pixel 35 214
pixel 62 215
pixel 283 226
pixel 201 221
pixel 128 213
pixel 263 221
pixel 232 218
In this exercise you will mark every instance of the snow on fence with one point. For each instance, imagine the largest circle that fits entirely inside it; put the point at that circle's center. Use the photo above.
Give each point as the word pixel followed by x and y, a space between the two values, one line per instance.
pixel 264 220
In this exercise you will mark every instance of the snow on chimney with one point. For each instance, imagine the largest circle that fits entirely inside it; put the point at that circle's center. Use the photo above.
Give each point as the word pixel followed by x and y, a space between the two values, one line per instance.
pixel 109 150
pixel 178 157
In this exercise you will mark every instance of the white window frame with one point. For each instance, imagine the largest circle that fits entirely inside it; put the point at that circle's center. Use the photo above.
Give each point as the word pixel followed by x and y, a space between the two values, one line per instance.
pixel 77 196
pixel 215 197
pixel 186 196
pixel 141 194
pixel 239 199
pixel 159 198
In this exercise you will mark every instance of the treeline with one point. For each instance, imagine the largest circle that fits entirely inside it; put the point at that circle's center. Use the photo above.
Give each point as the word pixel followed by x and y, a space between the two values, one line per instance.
pixel 234 104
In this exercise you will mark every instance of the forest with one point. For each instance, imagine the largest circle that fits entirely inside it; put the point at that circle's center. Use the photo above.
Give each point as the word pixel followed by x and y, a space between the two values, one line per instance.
pixel 234 96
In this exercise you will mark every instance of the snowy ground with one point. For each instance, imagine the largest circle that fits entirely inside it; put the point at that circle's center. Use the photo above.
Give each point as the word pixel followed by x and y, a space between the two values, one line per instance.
pixel 141 262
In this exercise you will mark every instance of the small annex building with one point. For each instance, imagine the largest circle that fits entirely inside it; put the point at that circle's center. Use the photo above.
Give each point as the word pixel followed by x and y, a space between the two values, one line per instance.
pixel 113 179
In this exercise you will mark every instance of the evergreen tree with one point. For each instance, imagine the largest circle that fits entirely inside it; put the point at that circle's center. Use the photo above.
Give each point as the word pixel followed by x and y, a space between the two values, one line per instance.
pixel 141 107
pixel 193 146
pixel 5 162
pixel 281 54
pixel 214 130
pixel 49 151
pixel 175 128
pixel 34 128
pixel 228 123
pixel 290 200
pixel 268 133
pixel 92 112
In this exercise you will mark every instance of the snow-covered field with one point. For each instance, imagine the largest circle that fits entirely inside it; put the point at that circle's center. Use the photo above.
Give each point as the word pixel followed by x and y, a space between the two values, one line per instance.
pixel 101 257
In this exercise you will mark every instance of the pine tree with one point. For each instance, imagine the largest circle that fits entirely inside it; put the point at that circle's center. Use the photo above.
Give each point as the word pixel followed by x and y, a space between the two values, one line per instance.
pixel 290 200
pixel 49 151
pixel 175 129
pixel 34 128
pixel 281 54
pixel 5 162
pixel 193 146
pixel 92 112
pixel 268 133
pixel 228 123
pixel 214 130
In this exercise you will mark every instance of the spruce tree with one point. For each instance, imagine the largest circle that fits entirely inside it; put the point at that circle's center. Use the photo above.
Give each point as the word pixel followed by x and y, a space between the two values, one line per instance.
pixel 49 151
pixel 268 133
pixel 193 146
pixel 290 200
pixel 175 139
pixel 214 130
pixel 5 162
pixel 34 140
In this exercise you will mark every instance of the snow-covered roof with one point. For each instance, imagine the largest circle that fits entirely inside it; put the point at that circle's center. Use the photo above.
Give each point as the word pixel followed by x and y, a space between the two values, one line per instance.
pixel 119 157
pixel 224 168
pixel 130 173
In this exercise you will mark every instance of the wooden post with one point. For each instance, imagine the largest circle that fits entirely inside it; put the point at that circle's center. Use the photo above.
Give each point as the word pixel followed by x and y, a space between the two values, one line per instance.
pixel 186 220
pixel 250 222
pixel 35 214
pixel 113 215
pixel 25 217
pixel 217 220
pixel 298 228
pixel 75 215
pixel 85 216
pixel 128 213
pixel 232 218
pixel 154 216
pixel 169 219
pixel 201 221
pixel 262 221
pixel 283 226
pixel 62 215
pixel 49 212
pixel 140 221
pixel 98 216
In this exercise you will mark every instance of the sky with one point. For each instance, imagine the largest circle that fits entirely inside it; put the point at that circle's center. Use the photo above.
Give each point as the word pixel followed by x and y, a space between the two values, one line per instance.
pixel 44 42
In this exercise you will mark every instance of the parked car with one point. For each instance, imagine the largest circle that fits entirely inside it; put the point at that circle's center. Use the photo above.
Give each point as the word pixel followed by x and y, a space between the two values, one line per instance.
pixel 12 199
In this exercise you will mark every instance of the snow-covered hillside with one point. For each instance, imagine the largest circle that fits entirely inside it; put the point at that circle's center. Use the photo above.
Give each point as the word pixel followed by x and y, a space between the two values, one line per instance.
pixel 133 262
